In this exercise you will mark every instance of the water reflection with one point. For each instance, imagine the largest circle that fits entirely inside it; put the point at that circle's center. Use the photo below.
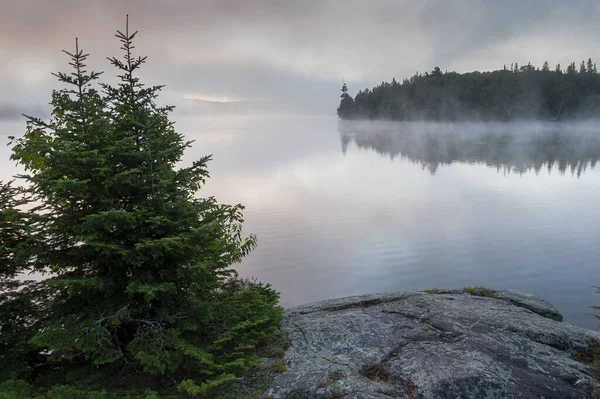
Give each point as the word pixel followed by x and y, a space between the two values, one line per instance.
pixel 516 147
pixel 332 225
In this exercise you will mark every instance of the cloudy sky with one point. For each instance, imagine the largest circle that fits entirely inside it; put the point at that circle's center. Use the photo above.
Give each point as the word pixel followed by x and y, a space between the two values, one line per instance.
pixel 286 52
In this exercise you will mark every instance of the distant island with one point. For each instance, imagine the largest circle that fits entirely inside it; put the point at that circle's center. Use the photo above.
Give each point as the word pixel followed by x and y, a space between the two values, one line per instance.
pixel 513 93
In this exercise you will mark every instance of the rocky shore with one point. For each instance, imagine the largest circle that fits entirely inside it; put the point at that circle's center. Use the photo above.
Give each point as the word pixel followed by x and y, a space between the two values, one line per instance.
pixel 476 343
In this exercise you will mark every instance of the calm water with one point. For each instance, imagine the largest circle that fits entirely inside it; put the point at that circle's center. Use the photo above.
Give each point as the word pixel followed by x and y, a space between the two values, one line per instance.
pixel 342 210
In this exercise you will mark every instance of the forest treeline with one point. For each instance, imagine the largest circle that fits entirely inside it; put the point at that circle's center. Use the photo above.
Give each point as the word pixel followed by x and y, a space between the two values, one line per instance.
pixel 515 92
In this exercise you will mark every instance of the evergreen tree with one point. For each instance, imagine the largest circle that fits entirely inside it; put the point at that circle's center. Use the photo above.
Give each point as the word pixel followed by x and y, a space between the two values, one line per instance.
pixel 143 293
pixel 545 67
pixel 346 107
pixel 14 228
pixel 590 66
pixel 582 68
pixel 529 67
pixel 21 302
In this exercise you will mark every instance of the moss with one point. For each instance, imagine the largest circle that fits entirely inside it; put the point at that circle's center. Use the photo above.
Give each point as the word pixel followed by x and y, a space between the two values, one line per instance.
pixel 375 372
pixel 276 346
pixel 332 378
pixel 591 357
pixel 408 390
pixel 480 291
pixel 336 376
pixel 378 373
pixel 276 351
pixel 433 291
pixel 596 393
pixel 278 365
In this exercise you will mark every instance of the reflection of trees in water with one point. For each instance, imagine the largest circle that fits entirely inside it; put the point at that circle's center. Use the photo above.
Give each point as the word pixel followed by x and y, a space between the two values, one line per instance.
pixel 507 147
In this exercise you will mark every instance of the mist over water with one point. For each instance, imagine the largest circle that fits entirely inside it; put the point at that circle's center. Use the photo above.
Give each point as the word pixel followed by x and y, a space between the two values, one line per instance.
pixel 509 147
pixel 346 209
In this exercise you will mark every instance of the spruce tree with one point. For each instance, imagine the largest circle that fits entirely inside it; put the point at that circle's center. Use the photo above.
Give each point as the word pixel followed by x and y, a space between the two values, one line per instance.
pixel 14 228
pixel 590 66
pixel 546 67
pixel 346 107
pixel 21 300
pixel 143 293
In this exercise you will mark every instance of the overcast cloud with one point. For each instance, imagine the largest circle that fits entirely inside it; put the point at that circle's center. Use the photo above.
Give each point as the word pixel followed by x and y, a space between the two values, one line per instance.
pixel 289 52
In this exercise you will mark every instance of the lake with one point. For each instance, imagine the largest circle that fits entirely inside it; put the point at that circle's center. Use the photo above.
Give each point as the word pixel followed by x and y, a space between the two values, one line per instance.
pixel 345 209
